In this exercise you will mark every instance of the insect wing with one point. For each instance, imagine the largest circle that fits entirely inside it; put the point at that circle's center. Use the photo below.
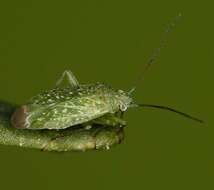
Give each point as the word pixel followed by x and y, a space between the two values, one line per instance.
pixel 68 113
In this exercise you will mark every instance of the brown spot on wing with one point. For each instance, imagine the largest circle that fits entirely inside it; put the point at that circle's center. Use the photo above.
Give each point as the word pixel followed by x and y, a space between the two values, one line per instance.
pixel 18 119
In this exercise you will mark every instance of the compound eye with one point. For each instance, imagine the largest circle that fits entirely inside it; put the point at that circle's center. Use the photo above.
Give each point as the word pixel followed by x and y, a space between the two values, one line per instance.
pixel 123 107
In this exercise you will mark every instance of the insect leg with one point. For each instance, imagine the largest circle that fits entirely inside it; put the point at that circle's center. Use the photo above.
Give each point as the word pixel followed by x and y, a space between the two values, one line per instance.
pixel 59 136
pixel 120 114
pixel 70 78
pixel 110 120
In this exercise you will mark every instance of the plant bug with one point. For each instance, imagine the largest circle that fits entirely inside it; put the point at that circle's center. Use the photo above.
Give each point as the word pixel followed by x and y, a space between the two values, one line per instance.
pixel 88 104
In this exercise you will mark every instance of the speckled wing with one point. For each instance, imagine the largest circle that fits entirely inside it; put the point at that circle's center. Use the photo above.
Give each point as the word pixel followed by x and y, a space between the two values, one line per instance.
pixel 61 115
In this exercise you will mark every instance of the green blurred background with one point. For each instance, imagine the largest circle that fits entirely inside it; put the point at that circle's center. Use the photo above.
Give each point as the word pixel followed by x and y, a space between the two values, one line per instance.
pixel 109 41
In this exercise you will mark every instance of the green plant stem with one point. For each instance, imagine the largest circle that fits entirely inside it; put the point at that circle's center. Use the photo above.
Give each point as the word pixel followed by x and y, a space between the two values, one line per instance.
pixel 71 139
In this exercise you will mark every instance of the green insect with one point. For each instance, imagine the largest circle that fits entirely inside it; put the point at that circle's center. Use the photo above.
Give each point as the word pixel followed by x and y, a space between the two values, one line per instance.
pixel 77 104
pixel 73 104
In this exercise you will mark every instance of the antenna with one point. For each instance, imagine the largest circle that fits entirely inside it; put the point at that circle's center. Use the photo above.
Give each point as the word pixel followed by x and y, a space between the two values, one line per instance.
pixel 156 52
pixel 169 109
pixel 148 65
